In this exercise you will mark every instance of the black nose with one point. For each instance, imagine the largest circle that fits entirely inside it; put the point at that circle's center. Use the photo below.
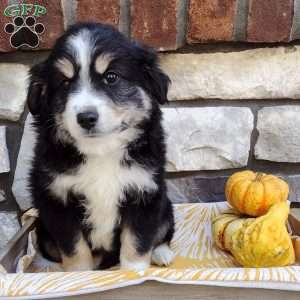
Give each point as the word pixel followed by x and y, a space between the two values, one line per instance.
pixel 88 119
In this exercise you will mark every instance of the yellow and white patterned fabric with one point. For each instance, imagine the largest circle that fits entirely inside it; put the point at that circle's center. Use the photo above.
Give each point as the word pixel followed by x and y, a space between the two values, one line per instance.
pixel 197 261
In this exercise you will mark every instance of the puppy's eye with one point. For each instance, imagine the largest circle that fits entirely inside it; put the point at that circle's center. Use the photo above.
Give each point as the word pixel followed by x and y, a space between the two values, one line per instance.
pixel 65 83
pixel 111 78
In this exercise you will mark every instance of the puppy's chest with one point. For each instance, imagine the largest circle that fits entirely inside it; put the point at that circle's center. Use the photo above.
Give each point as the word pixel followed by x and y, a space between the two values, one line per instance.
pixel 102 182
pixel 99 182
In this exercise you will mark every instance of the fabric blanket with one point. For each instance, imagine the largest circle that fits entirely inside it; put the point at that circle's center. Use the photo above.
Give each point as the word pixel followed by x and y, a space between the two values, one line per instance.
pixel 198 261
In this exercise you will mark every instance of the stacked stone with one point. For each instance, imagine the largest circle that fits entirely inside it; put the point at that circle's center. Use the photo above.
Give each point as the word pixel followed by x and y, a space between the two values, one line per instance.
pixel 232 106
pixel 13 84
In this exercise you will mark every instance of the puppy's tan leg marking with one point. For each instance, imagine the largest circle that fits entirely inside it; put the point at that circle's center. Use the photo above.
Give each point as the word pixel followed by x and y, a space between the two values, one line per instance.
pixel 97 261
pixel 129 257
pixel 81 260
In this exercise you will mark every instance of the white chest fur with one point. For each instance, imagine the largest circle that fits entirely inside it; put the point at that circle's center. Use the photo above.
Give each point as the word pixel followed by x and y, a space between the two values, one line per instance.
pixel 102 180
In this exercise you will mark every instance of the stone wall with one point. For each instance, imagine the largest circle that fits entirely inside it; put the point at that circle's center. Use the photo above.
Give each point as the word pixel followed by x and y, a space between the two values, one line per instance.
pixel 234 98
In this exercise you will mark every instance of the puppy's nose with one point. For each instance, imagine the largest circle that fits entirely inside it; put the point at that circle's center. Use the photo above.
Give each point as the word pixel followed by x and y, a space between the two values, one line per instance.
pixel 87 119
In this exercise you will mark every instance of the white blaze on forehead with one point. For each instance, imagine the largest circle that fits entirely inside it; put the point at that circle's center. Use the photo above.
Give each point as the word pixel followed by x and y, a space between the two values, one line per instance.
pixel 102 62
pixel 82 46
pixel 65 67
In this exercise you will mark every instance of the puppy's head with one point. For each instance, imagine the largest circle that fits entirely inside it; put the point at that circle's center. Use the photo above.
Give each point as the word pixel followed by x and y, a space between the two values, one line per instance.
pixel 96 84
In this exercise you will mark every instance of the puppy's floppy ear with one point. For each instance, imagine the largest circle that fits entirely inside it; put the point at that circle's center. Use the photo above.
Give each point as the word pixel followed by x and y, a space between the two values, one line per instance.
pixel 157 81
pixel 37 90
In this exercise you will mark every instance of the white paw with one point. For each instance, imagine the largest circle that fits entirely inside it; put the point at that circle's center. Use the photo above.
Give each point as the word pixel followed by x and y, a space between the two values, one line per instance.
pixel 134 266
pixel 162 255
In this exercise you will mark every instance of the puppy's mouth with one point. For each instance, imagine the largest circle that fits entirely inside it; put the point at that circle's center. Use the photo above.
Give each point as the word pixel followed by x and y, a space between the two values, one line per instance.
pixel 96 133
pixel 91 134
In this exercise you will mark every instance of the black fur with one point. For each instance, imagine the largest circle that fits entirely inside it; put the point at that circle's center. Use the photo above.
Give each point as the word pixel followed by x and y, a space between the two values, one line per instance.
pixel 143 212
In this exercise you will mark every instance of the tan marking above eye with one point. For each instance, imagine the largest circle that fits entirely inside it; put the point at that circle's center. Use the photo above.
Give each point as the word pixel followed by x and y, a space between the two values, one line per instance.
pixel 102 62
pixel 65 67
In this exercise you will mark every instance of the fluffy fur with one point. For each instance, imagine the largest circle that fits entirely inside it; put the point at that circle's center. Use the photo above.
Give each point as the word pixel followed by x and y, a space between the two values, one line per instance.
pixel 97 177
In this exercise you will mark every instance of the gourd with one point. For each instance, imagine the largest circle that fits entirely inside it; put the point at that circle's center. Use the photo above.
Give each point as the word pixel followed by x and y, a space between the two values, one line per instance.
pixel 254 193
pixel 224 223
pixel 256 242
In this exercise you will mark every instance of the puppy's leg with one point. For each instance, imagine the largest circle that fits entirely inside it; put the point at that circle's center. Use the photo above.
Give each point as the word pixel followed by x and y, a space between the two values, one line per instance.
pixel 64 225
pixel 147 222
pixel 46 244
pixel 80 259
pixel 131 257
pixel 140 227
pixel 162 254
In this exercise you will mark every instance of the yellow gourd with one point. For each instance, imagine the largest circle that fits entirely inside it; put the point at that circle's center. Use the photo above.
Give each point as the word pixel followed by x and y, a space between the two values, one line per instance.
pixel 254 193
pixel 256 242
pixel 223 223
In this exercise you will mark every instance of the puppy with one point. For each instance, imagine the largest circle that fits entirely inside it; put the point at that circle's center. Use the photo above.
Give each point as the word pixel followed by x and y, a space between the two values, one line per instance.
pixel 97 178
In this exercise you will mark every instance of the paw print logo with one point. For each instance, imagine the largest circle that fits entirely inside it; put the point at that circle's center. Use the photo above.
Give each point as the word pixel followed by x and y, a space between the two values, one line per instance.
pixel 24 32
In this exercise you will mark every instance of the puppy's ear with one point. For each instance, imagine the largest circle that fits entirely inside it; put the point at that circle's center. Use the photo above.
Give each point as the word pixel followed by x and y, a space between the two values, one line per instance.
pixel 37 90
pixel 156 80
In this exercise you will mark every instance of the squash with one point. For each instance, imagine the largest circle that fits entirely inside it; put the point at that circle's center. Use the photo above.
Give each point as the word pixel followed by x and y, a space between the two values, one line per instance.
pixel 256 242
pixel 254 193
pixel 220 224
pixel 296 244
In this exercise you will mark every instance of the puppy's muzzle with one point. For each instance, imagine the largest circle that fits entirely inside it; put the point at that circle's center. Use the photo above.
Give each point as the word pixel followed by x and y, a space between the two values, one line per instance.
pixel 88 119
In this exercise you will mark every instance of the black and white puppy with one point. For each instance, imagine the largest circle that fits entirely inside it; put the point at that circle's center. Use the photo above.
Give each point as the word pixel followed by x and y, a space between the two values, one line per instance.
pixel 97 178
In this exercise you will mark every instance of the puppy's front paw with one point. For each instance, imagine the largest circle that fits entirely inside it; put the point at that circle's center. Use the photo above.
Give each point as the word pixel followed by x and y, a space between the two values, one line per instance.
pixel 134 265
pixel 162 255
